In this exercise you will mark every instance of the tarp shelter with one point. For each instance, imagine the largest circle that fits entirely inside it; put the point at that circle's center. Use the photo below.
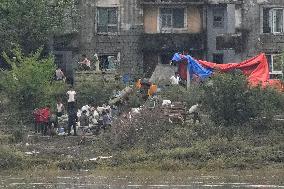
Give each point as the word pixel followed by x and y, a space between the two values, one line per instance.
pixel 256 69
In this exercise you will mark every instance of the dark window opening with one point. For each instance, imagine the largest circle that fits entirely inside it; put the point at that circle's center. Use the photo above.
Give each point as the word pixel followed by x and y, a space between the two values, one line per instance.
pixel 172 17
pixel 218 58
pixel 108 61
pixel 165 58
pixel 107 21
pixel 218 17
pixel 275 63
pixel 273 20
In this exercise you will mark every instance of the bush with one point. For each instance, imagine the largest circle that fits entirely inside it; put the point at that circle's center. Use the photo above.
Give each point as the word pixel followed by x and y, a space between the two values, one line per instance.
pixel 29 83
pixel 229 100
pixel 10 158
pixel 30 77
pixel 95 92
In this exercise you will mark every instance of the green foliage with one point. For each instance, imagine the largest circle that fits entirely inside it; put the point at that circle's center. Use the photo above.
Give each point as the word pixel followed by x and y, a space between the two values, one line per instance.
pixel 30 22
pixel 229 100
pixel 30 81
pixel 97 92
pixel 177 93
pixel 10 158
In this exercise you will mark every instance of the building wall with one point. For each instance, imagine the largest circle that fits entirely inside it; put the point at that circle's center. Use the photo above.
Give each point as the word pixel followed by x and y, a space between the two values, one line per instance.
pixel 193 16
pixel 150 19
pixel 212 32
pixel 194 19
pixel 138 23
pixel 252 21
pixel 125 42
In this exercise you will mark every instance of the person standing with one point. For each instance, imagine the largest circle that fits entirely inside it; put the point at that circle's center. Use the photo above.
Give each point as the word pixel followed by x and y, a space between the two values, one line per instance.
pixel 71 98
pixel 97 62
pixel 85 64
pixel 72 121
pixel 194 111
pixel 59 75
pixel 59 108
pixel 175 79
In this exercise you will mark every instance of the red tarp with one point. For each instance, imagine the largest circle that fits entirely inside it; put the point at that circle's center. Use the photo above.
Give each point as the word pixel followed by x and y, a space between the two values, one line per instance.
pixel 256 69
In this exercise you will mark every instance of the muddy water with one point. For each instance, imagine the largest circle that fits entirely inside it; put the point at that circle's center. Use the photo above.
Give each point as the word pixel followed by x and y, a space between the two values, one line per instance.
pixel 143 179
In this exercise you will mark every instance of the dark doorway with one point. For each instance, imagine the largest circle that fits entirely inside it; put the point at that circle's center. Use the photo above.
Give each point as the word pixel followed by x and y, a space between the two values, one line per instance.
pixel 218 58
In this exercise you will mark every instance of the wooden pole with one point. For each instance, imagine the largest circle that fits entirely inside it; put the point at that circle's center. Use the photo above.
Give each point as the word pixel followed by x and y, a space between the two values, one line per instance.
pixel 188 77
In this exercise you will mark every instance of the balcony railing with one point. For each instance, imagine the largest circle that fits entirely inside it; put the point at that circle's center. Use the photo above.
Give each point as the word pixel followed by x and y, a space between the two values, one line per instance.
pixel 171 42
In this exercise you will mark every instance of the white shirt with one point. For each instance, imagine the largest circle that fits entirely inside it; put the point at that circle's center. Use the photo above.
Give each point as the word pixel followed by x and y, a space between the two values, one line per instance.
pixel 71 96
pixel 174 80
pixel 87 108
pixel 59 74
pixel 59 107
pixel 193 108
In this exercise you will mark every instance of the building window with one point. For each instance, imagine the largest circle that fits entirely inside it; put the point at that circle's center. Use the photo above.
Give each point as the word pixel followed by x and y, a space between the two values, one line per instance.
pixel 273 20
pixel 107 20
pixel 276 64
pixel 218 58
pixel 171 18
pixel 218 17
pixel 109 61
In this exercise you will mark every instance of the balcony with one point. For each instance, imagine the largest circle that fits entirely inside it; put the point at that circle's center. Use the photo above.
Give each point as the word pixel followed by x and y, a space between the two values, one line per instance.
pixel 235 41
pixel 172 42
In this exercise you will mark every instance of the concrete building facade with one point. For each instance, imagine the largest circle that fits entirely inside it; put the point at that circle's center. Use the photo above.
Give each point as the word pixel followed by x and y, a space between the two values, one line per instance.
pixel 139 34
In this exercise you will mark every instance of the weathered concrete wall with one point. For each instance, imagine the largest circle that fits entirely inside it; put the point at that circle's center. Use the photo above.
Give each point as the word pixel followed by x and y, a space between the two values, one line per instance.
pixel 194 19
pixel 253 22
pixel 125 41
pixel 150 19
pixel 212 32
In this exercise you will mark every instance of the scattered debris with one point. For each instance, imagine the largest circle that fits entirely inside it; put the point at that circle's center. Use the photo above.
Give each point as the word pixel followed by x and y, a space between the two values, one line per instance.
pixel 100 157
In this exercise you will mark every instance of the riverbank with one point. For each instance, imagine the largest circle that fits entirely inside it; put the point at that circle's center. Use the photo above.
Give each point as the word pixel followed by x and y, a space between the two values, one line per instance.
pixel 163 147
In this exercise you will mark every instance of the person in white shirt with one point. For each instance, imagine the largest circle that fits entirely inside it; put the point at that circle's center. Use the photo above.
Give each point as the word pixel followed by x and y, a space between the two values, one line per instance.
pixel 175 79
pixel 59 75
pixel 71 98
pixel 193 110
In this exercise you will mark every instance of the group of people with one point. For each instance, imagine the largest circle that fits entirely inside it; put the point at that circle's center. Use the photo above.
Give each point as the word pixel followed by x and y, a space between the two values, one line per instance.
pixel 89 116
pixel 107 62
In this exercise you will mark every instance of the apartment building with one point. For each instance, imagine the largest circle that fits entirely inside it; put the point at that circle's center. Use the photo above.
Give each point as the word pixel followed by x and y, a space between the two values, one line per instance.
pixel 139 34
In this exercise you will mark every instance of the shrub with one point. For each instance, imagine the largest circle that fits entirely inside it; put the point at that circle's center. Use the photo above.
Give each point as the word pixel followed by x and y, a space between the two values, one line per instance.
pixel 29 83
pixel 28 79
pixel 229 100
pixel 95 92
pixel 10 158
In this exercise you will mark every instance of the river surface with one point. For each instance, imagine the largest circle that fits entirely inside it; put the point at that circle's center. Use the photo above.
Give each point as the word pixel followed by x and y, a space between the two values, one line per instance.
pixel 143 179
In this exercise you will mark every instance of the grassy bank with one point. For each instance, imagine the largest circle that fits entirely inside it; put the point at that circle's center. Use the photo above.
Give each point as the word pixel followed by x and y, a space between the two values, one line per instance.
pixel 193 147
pixel 237 131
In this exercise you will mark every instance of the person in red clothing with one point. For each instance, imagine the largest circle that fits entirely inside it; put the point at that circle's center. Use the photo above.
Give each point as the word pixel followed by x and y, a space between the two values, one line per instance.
pixel 42 116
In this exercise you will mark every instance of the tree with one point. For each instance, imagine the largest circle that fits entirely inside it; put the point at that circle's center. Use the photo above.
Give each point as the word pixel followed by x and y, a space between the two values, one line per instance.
pixel 29 84
pixel 29 23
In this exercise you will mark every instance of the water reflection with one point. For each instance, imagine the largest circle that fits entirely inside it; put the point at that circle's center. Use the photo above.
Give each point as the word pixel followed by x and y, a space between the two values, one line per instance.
pixel 141 180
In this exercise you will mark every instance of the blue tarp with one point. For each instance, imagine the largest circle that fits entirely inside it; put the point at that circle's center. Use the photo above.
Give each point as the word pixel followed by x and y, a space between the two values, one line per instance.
pixel 193 65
